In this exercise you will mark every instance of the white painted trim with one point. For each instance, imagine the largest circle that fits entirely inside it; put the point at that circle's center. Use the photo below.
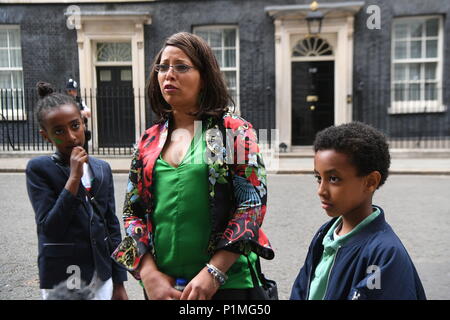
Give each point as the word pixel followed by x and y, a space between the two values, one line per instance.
pixel 339 33
pixel 14 113
pixel 237 48
pixel 420 106
pixel 116 29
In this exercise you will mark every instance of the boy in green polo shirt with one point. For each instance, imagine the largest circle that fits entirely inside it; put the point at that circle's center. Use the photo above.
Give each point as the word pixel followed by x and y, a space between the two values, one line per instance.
pixel 356 255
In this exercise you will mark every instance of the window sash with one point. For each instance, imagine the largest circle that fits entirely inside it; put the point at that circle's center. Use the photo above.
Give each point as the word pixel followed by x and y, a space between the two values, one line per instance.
pixel 12 98
pixel 413 83
pixel 225 47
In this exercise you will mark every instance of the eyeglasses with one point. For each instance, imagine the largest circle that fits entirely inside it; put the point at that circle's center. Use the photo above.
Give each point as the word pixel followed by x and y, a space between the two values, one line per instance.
pixel 178 68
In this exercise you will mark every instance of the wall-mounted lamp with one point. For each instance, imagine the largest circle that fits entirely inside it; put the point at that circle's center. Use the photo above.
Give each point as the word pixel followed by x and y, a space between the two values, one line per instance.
pixel 314 19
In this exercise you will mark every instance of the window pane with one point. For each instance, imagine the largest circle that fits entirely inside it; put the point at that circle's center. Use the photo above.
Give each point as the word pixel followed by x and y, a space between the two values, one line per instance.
pixel 430 71
pixel 114 52
pixel 215 38
pixel 3 38
pixel 416 49
pixel 126 75
pixel 432 48
pixel 400 71
pixel 17 79
pixel 414 71
pixel 399 92
pixel 230 58
pixel 218 54
pixel 432 27
pixel 230 78
pixel 430 91
pixel 400 50
pixel 4 60
pixel 401 31
pixel 105 75
pixel 414 92
pixel 230 37
pixel 233 95
pixel 14 38
pixel 416 29
pixel 16 58
pixel 202 34
pixel 5 79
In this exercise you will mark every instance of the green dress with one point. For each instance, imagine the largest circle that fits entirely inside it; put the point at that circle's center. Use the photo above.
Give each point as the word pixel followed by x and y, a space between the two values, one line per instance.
pixel 182 219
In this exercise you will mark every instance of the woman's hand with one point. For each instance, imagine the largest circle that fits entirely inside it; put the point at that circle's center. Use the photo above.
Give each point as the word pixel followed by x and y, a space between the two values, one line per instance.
pixel 202 287
pixel 159 286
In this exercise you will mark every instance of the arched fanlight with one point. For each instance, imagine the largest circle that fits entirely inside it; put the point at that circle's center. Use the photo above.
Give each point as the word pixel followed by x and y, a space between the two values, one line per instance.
pixel 312 47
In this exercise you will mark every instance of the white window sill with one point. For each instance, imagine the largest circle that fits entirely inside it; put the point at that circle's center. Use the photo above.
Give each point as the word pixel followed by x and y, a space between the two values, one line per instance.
pixel 13 115
pixel 409 107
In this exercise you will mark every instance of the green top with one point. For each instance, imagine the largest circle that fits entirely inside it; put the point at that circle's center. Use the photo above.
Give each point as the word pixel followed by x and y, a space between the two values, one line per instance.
pixel 182 219
pixel 318 287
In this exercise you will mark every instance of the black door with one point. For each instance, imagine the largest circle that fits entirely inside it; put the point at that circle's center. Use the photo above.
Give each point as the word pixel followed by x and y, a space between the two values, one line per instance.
pixel 115 107
pixel 312 99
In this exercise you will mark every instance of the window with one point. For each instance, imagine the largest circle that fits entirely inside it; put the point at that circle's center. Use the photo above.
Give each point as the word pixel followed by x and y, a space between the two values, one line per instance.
pixel 416 80
pixel 114 52
pixel 225 44
pixel 312 47
pixel 11 74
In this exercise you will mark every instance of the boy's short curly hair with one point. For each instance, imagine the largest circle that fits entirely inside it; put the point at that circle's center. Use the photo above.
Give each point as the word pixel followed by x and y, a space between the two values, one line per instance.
pixel 366 147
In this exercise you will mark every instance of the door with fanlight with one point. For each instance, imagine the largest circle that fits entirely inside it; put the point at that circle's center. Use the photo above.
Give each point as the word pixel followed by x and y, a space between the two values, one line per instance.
pixel 115 107
pixel 312 72
pixel 115 98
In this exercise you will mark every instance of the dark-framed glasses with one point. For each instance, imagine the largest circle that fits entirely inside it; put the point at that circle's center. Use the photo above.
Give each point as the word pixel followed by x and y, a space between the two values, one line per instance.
pixel 178 68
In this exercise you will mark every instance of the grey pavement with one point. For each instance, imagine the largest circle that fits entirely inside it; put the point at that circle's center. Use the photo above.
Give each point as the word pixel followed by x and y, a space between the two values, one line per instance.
pixel 403 162
pixel 417 207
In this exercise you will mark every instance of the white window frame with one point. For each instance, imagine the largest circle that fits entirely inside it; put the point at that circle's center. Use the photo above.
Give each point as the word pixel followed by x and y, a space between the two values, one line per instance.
pixel 418 106
pixel 237 48
pixel 16 113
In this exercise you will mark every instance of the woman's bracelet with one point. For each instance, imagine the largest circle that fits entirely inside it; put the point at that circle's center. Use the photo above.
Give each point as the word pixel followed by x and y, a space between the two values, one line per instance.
pixel 217 274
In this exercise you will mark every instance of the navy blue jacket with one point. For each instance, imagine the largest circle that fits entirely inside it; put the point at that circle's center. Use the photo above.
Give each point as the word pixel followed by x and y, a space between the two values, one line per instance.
pixel 373 264
pixel 69 232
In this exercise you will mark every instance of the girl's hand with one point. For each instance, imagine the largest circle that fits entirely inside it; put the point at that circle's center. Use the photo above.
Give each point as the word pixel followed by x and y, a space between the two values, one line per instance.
pixel 77 158
pixel 202 287
pixel 159 286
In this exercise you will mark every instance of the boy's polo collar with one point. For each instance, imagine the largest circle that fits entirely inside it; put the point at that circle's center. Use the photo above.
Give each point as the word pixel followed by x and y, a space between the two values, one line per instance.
pixel 353 236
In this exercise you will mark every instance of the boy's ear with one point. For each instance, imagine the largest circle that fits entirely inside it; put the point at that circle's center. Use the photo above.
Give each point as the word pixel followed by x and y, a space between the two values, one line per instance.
pixel 44 135
pixel 373 181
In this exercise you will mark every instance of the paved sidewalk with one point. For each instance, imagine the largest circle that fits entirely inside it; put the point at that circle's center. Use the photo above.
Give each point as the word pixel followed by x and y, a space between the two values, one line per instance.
pixel 408 162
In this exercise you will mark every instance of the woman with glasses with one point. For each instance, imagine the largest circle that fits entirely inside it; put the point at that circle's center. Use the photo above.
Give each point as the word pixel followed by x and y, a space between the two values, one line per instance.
pixel 196 195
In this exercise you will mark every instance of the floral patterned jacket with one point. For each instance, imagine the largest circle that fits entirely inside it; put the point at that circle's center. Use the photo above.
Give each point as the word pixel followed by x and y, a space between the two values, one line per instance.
pixel 237 191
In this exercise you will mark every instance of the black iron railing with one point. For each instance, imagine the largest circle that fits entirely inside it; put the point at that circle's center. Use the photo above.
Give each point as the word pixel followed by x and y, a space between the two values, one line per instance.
pixel 411 118
pixel 118 119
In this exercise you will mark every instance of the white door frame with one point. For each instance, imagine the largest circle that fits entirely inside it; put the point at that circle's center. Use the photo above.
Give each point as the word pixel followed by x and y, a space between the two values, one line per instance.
pixel 97 27
pixel 337 29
